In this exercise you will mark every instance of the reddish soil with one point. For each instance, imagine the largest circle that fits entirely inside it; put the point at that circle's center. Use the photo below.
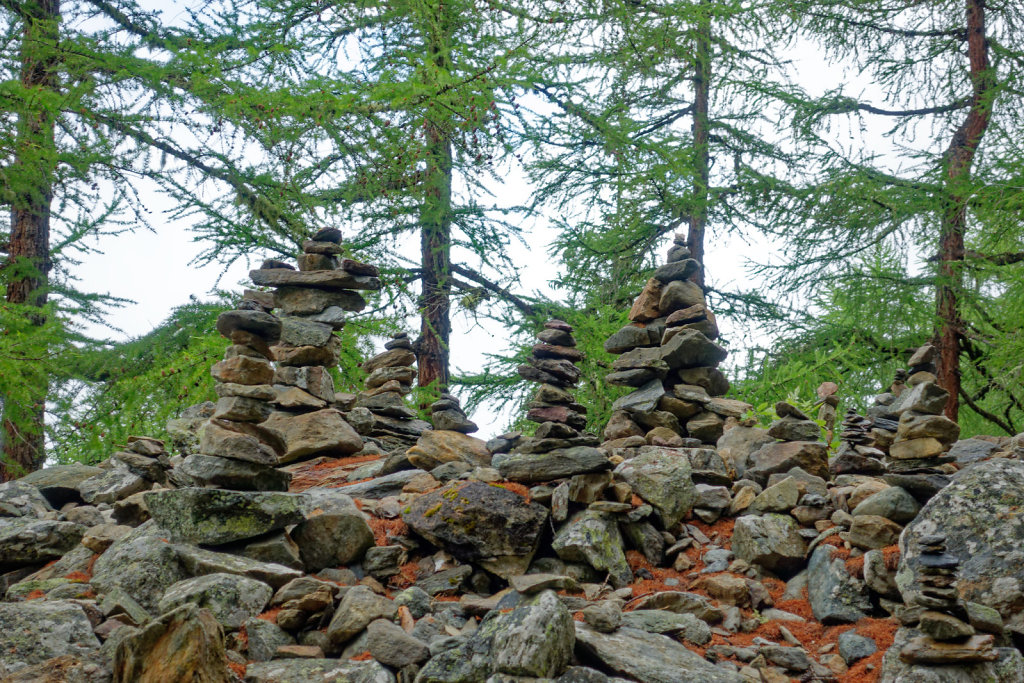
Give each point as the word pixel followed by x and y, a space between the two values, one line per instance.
pixel 384 530
pixel 270 615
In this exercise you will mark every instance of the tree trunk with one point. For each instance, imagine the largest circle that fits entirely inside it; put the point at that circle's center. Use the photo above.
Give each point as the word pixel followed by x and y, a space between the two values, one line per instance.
pixel 435 231
pixel 701 148
pixel 31 193
pixel 959 158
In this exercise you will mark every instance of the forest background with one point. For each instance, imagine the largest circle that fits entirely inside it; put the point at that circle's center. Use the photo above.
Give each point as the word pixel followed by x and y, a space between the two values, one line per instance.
pixel 849 171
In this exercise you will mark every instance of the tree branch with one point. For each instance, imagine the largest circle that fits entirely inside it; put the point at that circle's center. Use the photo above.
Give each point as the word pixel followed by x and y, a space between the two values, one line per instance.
pixel 526 308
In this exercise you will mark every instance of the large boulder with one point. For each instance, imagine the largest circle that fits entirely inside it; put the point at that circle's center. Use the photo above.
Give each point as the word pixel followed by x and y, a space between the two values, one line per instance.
pixel 476 522
pixel 212 516
pixel 36 631
pixel 979 512
pixel 231 599
pixel 772 541
pixel 535 639
pixel 737 443
pixel 184 645
pixel 26 541
pixel 59 484
pixel 662 478
pixel 142 564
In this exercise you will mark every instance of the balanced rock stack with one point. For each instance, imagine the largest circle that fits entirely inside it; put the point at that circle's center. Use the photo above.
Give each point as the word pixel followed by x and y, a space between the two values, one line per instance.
pixel 923 435
pixel 312 302
pixel 446 413
pixel 668 355
pixel 799 445
pixel 948 637
pixel 884 422
pixel 391 373
pixel 857 453
pixel 235 451
pixel 141 466
pixel 559 447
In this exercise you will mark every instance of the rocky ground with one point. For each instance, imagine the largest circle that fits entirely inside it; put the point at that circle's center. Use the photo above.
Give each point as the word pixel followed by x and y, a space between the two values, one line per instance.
pixel 643 568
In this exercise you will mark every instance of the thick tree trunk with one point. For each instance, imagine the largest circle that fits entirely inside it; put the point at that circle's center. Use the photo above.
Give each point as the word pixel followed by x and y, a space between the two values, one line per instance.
pixel 435 231
pixel 959 158
pixel 29 248
pixel 701 148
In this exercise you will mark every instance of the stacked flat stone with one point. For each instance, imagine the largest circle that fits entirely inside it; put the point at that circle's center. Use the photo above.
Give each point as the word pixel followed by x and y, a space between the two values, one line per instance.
pixel 828 400
pixel 312 304
pixel 948 637
pixel 141 466
pixel 923 434
pixel 667 354
pixel 857 453
pixel 391 374
pixel 884 422
pixel 447 413
pixel 235 451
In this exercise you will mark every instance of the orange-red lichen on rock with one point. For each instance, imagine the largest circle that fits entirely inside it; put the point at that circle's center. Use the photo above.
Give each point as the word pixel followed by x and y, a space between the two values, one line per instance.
pixel 80 577
pixel 514 487
pixel 363 656
pixel 335 463
pixel 35 595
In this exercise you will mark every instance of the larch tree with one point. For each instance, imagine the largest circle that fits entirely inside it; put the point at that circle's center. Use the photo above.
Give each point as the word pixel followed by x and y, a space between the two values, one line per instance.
pixel 96 98
pixel 936 178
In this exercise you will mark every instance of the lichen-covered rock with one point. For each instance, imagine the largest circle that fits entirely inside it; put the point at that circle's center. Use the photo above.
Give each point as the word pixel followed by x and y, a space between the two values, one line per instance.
pixel 781 457
pixel 263 638
pixel 231 599
pixel 36 631
pixel 334 533
pixel 184 645
pixel 25 541
pixel 980 514
pixel 59 484
pixel 237 475
pixel 476 522
pixel 112 485
pixel 214 516
pixel 662 478
pixel 561 462
pixel 593 537
pixel 772 541
pixel 200 561
pixel 649 657
pixel 835 596
pixel 357 609
pixel 535 639
pixel 143 564
pixel 18 499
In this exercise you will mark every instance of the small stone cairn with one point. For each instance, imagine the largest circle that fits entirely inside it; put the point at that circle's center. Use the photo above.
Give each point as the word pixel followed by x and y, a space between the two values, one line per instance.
pixel 447 413
pixel 948 637
pixel 391 373
pixel 857 453
pixel 667 354
pixel 235 452
pixel 561 419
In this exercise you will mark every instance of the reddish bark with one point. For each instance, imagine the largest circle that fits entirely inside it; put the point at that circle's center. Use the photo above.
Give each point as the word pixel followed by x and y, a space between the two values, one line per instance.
pixel 29 247
pixel 959 158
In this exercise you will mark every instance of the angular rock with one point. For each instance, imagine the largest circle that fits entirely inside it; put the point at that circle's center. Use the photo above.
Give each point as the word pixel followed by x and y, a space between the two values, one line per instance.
pixel 26 541
pixel 231 599
pixel 316 670
pixel 649 657
pixel 439 446
pixel 331 280
pixel 184 645
pixel 324 432
pixel 691 349
pixel 238 475
pixel 18 499
pixel 36 631
pixel 142 564
pixel 835 596
pixel 892 503
pixel 332 536
pixel 59 484
pixel 536 639
pixel 479 523
pixel 214 516
pixel 593 537
pixel 776 458
pixel 662 478
pixel 357 609
pixel 772 541
pixel 111 486
pixel 555 464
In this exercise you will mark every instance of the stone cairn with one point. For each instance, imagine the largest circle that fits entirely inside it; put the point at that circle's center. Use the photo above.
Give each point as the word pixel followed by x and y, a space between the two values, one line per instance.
pixel 948 637
pixel 667 354
pixel 235 451
pixel 561 418
pixel 385 415
pixel 313 302
pixel 446 413
pixel 142 464
pixel 857 453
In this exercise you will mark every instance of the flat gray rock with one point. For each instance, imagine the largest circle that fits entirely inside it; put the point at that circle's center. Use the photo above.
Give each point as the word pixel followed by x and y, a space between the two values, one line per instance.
pixel 25 540
pixel 649 657
pixel 33 632
pixel 212 516
pixel 231 599
pixel 317 670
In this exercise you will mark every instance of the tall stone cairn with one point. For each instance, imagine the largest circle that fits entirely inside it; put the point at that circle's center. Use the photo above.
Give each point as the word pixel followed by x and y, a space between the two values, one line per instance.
pixel 668 355
pixel 312 303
